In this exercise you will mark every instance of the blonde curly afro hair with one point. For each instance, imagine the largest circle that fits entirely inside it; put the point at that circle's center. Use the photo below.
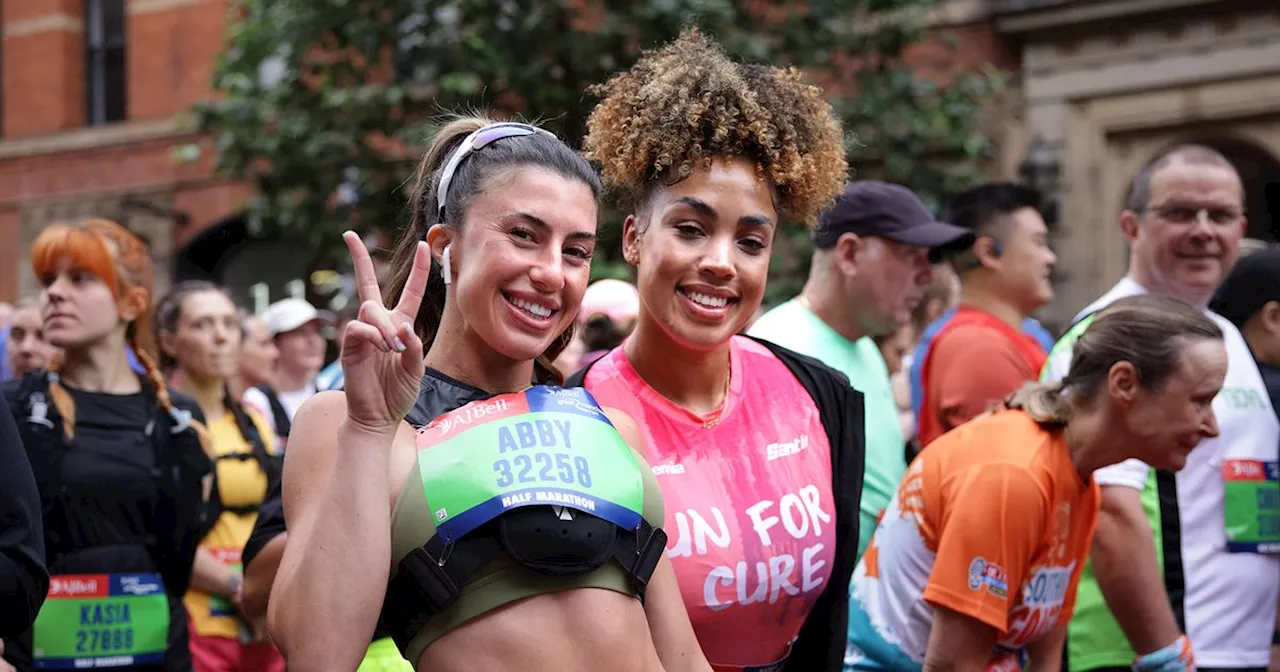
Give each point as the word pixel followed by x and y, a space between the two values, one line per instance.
pixel 688 103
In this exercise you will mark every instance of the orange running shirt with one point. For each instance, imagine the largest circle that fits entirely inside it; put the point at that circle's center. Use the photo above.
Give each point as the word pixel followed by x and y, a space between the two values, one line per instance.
pixel 993 521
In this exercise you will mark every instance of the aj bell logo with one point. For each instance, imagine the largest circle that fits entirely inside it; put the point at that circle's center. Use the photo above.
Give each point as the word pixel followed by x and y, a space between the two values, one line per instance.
pixel 563 513
pixel 469 414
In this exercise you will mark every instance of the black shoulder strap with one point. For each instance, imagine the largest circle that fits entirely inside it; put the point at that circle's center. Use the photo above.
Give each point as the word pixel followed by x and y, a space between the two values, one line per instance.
pixel 278 412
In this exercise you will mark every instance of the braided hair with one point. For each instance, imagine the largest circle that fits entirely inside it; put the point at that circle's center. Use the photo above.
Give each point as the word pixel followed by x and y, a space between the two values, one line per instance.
pixel 121 261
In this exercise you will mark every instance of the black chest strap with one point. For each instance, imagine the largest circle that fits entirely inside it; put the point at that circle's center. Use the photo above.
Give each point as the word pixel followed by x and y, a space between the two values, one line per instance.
pixel 430 578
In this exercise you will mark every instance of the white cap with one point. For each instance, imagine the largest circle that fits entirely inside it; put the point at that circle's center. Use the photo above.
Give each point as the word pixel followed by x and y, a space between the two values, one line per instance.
pixel 288 314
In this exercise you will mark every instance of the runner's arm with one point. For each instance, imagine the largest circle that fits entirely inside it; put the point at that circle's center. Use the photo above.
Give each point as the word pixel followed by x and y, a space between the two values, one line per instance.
pixel 664 609
pixel 1124 562
pixel 958 643
pixel 212 577
pixel 326 598
pixel 1046 653
pixel 259 576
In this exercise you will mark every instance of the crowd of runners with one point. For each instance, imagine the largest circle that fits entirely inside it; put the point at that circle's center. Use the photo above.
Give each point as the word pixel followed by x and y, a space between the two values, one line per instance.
pixel 509 469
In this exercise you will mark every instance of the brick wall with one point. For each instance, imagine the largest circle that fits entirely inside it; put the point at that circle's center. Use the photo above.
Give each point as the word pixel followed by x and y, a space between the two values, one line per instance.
pixel 51 164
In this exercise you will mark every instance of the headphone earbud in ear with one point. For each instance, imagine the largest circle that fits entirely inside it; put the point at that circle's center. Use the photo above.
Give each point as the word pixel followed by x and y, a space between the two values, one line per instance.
pixel 996 248
pixel 446 269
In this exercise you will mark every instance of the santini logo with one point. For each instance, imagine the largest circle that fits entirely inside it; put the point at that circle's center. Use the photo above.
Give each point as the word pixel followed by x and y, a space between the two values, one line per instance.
pixel 470 413
pixel 779 450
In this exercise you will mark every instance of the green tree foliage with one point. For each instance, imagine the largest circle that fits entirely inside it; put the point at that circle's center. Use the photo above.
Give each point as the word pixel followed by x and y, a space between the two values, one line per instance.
pixel 324 104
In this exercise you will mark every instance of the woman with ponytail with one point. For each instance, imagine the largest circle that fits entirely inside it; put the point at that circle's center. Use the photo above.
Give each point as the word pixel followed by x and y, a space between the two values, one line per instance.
pixel 509 527
pixel 119 459
pixel 976 560
pixel 199 335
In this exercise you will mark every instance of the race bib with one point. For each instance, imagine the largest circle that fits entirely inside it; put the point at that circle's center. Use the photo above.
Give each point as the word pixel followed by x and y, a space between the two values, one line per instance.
pixel 102 621
pixel 1251 505
pixel 544 446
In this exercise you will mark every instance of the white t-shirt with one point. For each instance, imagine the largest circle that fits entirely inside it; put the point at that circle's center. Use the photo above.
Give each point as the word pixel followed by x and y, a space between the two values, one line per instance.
pixel 1230 603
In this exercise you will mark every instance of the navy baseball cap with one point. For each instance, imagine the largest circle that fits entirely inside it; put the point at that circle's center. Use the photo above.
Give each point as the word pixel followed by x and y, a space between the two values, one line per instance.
pixel 891 211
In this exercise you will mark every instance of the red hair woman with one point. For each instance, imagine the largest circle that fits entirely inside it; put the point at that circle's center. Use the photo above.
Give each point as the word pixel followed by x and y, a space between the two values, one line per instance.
pixel 119 460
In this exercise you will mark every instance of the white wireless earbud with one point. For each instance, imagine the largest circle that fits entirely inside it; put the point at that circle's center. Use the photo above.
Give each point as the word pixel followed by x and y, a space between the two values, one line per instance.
pixel 445 268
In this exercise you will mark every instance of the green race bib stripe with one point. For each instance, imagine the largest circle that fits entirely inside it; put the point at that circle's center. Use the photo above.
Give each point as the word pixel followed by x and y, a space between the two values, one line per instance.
pixel 544 446
pixel 102 621
pixel 1251 505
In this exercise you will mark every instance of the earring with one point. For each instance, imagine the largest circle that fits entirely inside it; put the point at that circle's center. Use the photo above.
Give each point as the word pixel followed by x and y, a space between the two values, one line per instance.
pixel 446 269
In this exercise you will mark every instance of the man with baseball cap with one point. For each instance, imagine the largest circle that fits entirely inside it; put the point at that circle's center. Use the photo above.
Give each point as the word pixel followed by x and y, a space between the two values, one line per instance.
pixel 870 266
pixel 297 328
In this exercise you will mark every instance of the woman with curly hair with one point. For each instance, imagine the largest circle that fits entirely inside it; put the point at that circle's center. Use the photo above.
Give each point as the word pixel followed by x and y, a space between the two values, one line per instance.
pixel 758 450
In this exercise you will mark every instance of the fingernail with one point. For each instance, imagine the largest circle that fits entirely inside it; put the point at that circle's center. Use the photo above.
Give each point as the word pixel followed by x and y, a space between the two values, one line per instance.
pixel 400 346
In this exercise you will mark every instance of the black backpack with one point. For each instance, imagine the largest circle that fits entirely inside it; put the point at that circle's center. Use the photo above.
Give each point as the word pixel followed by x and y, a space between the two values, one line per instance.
pixel 183 515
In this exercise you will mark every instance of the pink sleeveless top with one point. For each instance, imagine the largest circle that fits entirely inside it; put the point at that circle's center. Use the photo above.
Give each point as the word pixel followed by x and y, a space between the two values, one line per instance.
pixel 749 510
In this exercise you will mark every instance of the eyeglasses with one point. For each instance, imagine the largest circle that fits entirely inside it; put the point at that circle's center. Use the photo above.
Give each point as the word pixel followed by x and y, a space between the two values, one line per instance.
pixel 1178 213
pixel 476 141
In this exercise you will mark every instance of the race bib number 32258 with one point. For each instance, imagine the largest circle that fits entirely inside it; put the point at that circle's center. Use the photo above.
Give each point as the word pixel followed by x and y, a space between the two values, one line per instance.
pixel 544 446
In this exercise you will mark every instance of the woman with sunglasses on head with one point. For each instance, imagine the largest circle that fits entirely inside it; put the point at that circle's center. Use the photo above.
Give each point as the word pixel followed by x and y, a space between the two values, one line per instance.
pixel 119 459
pixel 199 334
pixel 758 450
pixel 509 526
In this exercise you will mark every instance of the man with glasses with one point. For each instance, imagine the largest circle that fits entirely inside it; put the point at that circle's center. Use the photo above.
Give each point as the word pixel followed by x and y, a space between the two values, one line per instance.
pixel 1197 552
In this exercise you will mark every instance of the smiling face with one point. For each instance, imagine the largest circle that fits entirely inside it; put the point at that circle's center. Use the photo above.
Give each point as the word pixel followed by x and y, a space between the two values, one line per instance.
pixel 1189 235
pixel 1170 420
pixel 206 339
pixel 522 259
pixel 701 248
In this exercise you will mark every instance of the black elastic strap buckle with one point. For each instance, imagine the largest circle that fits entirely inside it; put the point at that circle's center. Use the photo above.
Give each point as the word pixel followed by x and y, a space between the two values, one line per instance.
pixel 429 581
pixel 639 553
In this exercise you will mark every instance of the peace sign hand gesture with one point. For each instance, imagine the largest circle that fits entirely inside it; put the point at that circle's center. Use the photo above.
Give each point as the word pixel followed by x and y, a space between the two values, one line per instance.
pixel 381 354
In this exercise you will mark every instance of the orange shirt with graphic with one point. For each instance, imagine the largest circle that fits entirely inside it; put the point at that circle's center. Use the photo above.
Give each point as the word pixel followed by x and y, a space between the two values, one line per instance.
pixel 992 521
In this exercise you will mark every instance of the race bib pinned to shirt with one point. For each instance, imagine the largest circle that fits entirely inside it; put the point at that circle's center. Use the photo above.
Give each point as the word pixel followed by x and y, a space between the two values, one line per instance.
pixel 102 621
pixel 1251 505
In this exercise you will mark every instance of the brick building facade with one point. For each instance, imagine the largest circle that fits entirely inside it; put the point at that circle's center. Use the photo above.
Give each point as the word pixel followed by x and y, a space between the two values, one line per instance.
pixel 93 96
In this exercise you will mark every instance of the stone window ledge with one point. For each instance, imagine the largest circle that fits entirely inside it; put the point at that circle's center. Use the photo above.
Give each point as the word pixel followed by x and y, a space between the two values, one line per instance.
pixel 94 137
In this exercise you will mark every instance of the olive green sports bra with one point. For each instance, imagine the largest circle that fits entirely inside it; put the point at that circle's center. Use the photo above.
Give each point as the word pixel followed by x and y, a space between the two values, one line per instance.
pixel 520 464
